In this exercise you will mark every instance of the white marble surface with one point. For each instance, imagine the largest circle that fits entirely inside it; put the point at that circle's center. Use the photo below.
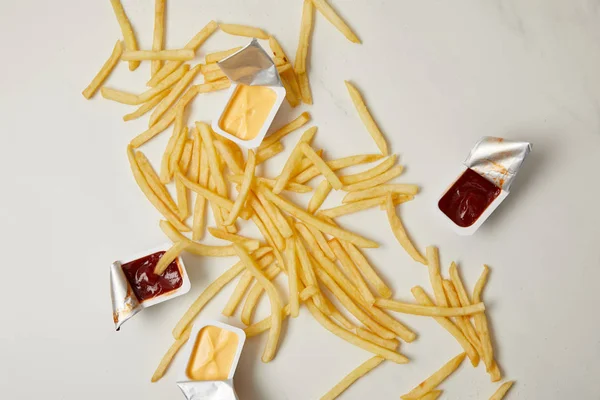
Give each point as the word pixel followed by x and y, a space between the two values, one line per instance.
pixel 438 75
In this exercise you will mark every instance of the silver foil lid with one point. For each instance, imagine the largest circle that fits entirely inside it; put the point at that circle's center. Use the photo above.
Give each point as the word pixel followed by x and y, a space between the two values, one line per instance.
pixel 208 390
pixel 251 66
pixel 124 302
pixel 498 160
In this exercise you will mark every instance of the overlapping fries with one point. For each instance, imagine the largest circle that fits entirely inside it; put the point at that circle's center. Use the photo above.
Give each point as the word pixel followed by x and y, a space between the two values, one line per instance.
pixel 321 261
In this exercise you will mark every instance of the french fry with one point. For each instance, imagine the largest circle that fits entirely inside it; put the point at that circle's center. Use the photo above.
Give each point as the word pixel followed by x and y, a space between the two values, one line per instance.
pixel 352 338
pixel 318 162
pixel 275 215
pixel 290 260
pixel 194 171
pixel 170 99
pixel 150 195
pixel 330 14
pixel 381 190
pixel 289 78
pixel 290 94
pixel 161 55
pixel 367 118
pixel 458 284
pixel 376 181
pixel 210 292
pixel 105 71
pixel 481 323
pixel 200 249
pixel 214 75
pixel 199 219
pixel 463 323
pixel 306 27
pixel 290 187
pixel 159 33
pixel 244 191
pixel 399 199
pixel 154 181
pixel 193 44
pixel 126 30
pixel 335 165
pixel 177 152
pixel 147 106
pixel 230 237
pixel 305 91
pixel 186 156
pixel 215 171
pixel 367 270
pixel 307 272
pixel 371 172
pixel 352 377
pixel 169 256
pixel 429 311
pixel 260 211
pixel 269 152
pixel 481 283
pixel 165 362
pixel 165 165
pixel 206 68
pixel 353 207
pixel 294 159
pixel 220 55
pixel 502 390
pixel 242 30
pixel 285 130
pixel 352 271
pixel 319 197
pixel 433 267
pixel 391 344
pixel 400 232
pixel 495 374
pixel 317 223
pixel 243 285
pixel 434 380
pixel 321 241
pixel 274 298
pixel 271 272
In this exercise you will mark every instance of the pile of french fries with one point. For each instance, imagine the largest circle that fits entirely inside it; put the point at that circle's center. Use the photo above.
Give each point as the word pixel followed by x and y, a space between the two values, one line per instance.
pixel 322 261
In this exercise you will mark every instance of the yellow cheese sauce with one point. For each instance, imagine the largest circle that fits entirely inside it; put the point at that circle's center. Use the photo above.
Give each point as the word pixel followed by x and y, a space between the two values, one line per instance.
pixel 213 354
pixel 247 111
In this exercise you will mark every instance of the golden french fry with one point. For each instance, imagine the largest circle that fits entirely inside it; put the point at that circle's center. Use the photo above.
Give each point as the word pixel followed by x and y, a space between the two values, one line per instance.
pixel 168 357
pixel 481 323
pixel 210 196
pixel 215 170
pixel 502 390
pixel 147 106
pixel 435 278
pixel 429 311
pixel 269 152
pixel 193 44
pixel 199 219
pixel 400 232
pixel 434 380
pixel 126 30
pixel 367 270
pixel 290 93
pixel 371 172
pixel 316 222
pixel 262 214
pixel 290 260
pixel 154 181
pixel 274 298
pixel 376 181
pixel 194 171
pixel 161 55
pixel 199 248
pixel 254 295
pixel 330 14
pixel 391 344
pixel 381 190
pixel 169 256
pixel 481 283
pixel 170 99
pixel 242 30
pixel 291 186
pixel 352 338
pixel 319 197
pixel 230 237
pixel 159 33
pixel 220 55
pixel 305 91
pixel 458 284
pixel 307 272
pixel 293 161
pixel 227 155
pixel 289 78
pixel 495 374
pixel 352 377
pixel 206 68
pixel 186 156
pixel 308 174
pixel 306 27
pixel 214 76
pixel 352 271
pixel 105 71
pixel 367 118
pixel 322 242
pixel 275 215
pixel 165 164
pixel 244 191
pixel 352 207
pixel 149 193
pixel 210 292
pixel 318 162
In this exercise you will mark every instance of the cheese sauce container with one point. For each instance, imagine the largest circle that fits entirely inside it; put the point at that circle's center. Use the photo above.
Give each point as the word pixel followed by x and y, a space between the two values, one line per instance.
pixel 255 96
pixel 483 183
pixel 212 353
pixel 134 285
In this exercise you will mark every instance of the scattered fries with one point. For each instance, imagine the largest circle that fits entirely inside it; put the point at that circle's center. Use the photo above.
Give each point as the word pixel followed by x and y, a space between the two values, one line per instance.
pixel 242 30
pixel 352 377
pixel 329 13
pixel 105 71
pixel 367 119
pixel 434 380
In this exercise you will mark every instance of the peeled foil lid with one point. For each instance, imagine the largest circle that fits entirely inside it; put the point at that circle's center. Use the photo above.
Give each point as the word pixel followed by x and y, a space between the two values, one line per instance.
pixel 251 66
pixel 124 302
pixel 208 390
pixel 498 160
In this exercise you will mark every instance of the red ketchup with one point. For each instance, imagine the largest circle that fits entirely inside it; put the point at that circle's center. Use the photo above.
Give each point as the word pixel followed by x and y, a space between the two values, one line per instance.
pixel 145 283
pixel 468 198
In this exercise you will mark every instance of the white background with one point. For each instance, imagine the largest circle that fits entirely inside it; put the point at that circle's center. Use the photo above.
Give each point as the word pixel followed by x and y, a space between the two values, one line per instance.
pixel 437 74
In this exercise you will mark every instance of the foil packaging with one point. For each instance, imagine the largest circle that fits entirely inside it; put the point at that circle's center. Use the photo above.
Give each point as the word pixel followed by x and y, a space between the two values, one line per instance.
pixel 498 160
pixel 208 390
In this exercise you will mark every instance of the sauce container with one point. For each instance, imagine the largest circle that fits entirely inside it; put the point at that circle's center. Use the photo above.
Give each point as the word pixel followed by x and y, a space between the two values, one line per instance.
pixel 212 353
pixel 134 286
pixel 483 183
pixel 255 96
